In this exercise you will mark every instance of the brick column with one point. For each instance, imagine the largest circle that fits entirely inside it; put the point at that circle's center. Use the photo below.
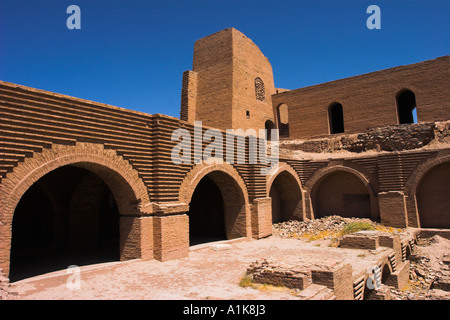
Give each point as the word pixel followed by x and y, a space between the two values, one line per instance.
pixel 171 237
pixel 136 238
pixel 393 209
pixel 261 218
pixel 5 247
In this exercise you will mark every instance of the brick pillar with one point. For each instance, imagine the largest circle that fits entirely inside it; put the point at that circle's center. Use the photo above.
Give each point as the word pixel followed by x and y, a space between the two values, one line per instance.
pixel 188 96
pixel 338 278
pixel 5 247
pixel 171 237
pixel 136 238
pixel 413 217
pixel 308 209
pixel 392 241
pixel 393 209
pixel 261 218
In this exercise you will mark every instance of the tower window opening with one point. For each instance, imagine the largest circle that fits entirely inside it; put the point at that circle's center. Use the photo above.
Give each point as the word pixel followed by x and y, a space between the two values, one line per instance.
pixel 336 118
pixel 406 107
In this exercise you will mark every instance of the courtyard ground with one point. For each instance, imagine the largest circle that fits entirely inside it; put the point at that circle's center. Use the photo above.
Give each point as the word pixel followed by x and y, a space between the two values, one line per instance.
pixel 214 271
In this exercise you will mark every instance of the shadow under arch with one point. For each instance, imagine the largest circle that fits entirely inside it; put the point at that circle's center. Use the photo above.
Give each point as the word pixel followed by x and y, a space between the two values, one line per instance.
pixel 284 187
pixel 120 181
pixel 427 191
pixel 342 191
pixel 218 203
pixel 432 197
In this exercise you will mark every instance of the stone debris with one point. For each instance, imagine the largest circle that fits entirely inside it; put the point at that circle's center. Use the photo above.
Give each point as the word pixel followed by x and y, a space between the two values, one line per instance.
pixel 429 272
pixel 330 225
pixel 387 138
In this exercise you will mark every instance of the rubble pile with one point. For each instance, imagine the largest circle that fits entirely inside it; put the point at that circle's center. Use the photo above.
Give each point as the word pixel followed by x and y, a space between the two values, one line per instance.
pixel 329 227
pixel 429 276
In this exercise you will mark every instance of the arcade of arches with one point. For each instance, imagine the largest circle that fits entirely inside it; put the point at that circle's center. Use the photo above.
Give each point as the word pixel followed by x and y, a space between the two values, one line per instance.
pixel 70 214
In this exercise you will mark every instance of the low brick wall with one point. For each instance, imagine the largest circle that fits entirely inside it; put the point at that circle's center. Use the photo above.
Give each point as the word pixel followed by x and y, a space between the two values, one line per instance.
pixel 428 233
pixel 298 274
pixel 361 240
pixel 338 278
pixel 292 277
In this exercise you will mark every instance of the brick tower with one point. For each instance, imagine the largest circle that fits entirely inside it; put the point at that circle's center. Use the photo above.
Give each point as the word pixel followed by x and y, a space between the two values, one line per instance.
pixel 231 83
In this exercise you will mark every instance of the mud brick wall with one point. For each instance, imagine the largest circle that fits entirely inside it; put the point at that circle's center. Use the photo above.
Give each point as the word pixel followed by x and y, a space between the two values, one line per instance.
pixel 188 96
pixel 360 240
pixel 261 216
pixel 251 67
pixel 136 238
pixel 265 272
pixel 369 100
pixel 338 278
pixel 33 120
pixel 171 237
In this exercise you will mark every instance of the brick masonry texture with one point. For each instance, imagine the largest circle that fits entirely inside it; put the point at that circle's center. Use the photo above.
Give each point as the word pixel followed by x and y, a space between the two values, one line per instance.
pixel 393 168
pixel 296 273
pixel 369 100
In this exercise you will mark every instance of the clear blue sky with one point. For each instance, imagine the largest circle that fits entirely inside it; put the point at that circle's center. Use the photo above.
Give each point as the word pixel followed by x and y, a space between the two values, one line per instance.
pixel 132 53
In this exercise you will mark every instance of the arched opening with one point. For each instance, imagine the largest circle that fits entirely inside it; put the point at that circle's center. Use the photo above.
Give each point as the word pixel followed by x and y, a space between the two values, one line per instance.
pixel 406 107
pixel 283 120
pixel 68 217
pixel 433 199
pixel 217 209
pixel 386 272
pixel 407 252
pixel 286 198
pixel 269 125
pixel 336 118
pixel 206 213
pixel 341 193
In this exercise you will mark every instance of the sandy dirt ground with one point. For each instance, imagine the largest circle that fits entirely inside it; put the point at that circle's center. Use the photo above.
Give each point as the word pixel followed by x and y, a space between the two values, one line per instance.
pixel 212 271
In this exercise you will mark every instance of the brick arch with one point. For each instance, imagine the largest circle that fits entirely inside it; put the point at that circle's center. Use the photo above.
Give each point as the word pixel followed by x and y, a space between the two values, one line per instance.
pixel 234 192
pixel 421 170
pixel 129 191
pixel 414 181
pixel 289 192
pixel 282 167
pixel 321 173
pixel 197 173
pixel 385 272
pixel 311 185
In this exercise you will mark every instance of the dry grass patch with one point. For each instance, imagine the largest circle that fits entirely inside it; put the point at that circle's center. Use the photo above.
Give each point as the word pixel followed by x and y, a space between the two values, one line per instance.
pixel 247 282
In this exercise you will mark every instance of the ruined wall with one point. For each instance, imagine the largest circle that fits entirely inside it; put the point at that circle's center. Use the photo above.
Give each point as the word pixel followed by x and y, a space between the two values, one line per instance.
pixel 388 138
pixel 369 100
